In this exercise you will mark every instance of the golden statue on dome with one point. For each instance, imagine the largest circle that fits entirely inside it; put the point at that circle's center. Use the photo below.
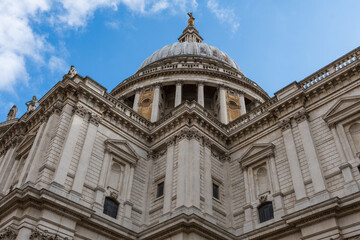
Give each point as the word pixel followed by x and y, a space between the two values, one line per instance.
pixel 191 18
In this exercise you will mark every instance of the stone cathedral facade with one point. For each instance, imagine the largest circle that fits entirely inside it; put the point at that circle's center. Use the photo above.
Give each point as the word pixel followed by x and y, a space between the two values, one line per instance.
pixel 187 148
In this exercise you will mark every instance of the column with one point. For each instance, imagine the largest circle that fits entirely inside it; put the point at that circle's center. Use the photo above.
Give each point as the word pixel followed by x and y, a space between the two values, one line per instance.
pixel 200 95
pixel 155 104
pixel 136 101
pixel 207 178
pixel 169 175
pixel 242 104
pixel 178 94
pixel 69 146
pixel 311 155
pixel 31 155
pixel 350 185
pixel 222 101
pixel 85 155
pixel 295 170
pixel 44 143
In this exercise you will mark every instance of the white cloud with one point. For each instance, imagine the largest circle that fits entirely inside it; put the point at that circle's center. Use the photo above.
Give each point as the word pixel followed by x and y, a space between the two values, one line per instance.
pixel 226 15
pixel 58 65
pixel 20 42
pixel 17 39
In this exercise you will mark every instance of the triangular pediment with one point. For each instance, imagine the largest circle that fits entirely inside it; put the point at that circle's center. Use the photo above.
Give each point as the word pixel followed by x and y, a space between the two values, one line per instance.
pixel 122 149
pixel 342 109
pixel 255 153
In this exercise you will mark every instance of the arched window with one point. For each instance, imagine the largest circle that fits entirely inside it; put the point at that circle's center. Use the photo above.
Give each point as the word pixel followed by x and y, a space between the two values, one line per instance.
pixel 266 212
pixel 111 207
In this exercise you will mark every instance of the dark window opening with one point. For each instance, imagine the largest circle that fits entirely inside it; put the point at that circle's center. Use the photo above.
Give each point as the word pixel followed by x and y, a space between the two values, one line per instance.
pixel 266 212
pixel 215 191
pixel 111 207
pixel 359 168
pixel 160 189
pixel 189 92
pixel 129 101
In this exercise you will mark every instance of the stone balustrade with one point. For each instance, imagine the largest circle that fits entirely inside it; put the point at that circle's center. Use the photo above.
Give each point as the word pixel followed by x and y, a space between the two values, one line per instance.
pixel 340 64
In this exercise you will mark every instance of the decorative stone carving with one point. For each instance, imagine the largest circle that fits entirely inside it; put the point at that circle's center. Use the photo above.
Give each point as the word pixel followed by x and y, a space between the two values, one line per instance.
pixel 95 119
pixel 285 124
pixel 114 195
pixel 72 72
pixel 81 111
pixel 301 116
pixel 12 113
pixel 263 198
pixel 39 234
pixel 8 234
pixel 31 105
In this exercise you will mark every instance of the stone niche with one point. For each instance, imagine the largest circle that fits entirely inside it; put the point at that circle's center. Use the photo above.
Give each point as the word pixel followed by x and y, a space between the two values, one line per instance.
pixel 261 182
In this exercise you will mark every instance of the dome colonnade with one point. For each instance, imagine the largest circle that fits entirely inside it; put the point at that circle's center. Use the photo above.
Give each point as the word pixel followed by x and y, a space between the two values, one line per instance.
pixel 190 70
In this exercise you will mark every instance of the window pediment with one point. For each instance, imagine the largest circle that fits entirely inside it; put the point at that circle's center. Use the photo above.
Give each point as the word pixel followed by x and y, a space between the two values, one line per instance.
pixel 256 153
pixel 122 149
pixel 343 108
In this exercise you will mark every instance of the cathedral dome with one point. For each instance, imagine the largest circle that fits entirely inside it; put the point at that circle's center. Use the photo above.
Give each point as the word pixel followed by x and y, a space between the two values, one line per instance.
pixel 198 49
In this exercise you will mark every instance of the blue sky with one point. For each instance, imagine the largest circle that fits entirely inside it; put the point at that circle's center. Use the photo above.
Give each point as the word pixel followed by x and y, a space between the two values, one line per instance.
pixel 275 42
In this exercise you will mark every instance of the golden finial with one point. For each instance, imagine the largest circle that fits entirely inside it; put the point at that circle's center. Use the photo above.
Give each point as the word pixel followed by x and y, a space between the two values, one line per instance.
pixel 191 18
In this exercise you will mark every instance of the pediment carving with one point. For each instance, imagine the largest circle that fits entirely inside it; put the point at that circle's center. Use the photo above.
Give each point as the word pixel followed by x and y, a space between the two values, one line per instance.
pixel 122 149
pixel 255 153
pixel 342 109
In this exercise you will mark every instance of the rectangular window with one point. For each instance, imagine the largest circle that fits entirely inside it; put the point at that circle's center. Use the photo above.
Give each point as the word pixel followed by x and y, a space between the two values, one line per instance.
pixel 266 212
pixel 215 191
pixel 160 190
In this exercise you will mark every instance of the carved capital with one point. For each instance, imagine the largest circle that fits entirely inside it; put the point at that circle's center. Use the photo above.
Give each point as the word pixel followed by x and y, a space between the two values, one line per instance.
pixel 8 234
pixel 225 157
pixel 95 119
pixel 39 234
pixel 81 111
pixel 171 141
pixel 301 116
pixel 207 142
pixel 285 124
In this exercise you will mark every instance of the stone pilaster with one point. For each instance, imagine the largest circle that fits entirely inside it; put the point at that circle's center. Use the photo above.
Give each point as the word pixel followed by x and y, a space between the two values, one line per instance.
pixel 35 146
pixel 69 146
pixel 248 225
pixel 169 175
pixel 316 174
pixel 207 177
pixel 85 155
pixel 295 170
pixel 44 143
